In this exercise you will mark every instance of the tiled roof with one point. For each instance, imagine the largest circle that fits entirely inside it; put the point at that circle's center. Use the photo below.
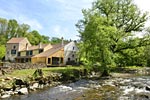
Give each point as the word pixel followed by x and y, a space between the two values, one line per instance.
pixel 15 40
pixel 49 51
pixel 35 47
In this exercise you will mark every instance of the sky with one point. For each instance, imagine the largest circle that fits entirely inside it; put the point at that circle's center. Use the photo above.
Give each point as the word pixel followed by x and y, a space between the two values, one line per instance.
pixel 53 18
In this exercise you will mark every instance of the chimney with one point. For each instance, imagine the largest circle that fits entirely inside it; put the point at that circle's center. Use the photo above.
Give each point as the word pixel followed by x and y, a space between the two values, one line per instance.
pixel 62 41
pixel 26 46
pixel 40 45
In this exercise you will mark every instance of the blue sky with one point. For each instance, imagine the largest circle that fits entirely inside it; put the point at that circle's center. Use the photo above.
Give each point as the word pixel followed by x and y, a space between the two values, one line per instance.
pixel 53 18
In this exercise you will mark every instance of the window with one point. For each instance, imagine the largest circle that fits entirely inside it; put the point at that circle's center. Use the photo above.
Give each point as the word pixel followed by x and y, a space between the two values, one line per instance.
pixel 68 59
pixel 76 59
pixel 18 53
pixel 73 48
pixel 49 60
pixel 8 52
pixel 61 60
pixel 13 51
pixel 14 47
pixel 40 50
pixel 72 56
pixel 29 53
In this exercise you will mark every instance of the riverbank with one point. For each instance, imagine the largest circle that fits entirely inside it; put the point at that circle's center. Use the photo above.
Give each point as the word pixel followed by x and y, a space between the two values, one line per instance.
pixel 22 82
pixel 25 81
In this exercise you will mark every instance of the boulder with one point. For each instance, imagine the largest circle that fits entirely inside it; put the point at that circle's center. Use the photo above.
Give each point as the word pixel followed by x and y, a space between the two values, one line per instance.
pixel 5 96
pixel 23 91
pixel 35 86
pixel 147 88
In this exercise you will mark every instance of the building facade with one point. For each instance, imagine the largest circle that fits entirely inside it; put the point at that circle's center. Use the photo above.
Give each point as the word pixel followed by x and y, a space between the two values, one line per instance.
pixel 19 50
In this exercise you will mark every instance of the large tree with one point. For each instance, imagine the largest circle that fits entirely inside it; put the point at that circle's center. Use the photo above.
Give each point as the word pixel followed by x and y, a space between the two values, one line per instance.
pixel 107 29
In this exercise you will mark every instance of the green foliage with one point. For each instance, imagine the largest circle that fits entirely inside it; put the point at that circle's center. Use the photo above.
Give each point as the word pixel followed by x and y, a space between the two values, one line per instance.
pixel 147 55
pixel 2 51
pixel 38 73
pixel 106 34
pixel 11 28
pixel 56 40
pixel 34 37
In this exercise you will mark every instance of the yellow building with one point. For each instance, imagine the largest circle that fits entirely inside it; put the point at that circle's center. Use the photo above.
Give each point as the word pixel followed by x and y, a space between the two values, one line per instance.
pixel 52 57
pixel 20 50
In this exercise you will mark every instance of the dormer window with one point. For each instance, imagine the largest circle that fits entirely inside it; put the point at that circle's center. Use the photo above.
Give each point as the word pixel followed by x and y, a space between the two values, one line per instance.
pixel 40 50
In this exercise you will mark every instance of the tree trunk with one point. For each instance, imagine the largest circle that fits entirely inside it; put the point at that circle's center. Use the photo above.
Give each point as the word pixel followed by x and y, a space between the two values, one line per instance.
pixel 105 73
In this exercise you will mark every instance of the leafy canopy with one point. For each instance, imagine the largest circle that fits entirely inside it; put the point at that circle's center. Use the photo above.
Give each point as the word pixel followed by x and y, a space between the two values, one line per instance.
pixel 107 30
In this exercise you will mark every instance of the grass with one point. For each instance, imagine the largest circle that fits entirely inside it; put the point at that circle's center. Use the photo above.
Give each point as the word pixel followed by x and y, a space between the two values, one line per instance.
pixel 29 72
pixel 133 67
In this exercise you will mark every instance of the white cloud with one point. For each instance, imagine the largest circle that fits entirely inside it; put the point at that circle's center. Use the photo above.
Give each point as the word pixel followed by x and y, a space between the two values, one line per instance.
pixel 17 14
pixel 145 7
pixel 3 13
pixel 34 24
pixel 57 30
pixel 61 31
pixel 58 16
pixel 71 9
pixel 143 4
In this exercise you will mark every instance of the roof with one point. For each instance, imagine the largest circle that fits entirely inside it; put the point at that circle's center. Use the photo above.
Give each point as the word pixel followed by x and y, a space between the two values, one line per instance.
pixel 35 47
pixel 50 51
pixel 16 40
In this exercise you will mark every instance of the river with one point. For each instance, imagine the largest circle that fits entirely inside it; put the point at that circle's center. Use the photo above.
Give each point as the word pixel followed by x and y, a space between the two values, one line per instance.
pixel 131 88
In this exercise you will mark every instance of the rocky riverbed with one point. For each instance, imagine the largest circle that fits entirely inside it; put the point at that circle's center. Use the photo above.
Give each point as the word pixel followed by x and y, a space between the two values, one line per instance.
pixel 130 88
pixel 127 88
pixel 16 86
pixel 120 86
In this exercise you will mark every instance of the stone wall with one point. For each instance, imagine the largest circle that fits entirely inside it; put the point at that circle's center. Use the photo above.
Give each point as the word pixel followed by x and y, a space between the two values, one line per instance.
pixel 19 66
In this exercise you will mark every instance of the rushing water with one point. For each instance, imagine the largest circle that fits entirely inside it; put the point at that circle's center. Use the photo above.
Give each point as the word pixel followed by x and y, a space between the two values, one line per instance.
pixel 133 88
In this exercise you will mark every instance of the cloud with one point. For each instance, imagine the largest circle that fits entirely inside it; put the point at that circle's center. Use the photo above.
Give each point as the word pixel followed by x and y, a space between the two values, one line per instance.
pixel 35 25
pixel 15 10
pixel 71 9
pixel 47 16
pixel 143 4
pixel 3 13
pixel 62 31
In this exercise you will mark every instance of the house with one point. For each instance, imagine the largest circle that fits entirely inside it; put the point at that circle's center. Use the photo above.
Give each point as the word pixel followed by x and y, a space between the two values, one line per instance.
pixel 20 50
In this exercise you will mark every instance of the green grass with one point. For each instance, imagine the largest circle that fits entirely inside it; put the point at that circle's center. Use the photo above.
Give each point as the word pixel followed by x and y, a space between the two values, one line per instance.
pixel 133 67
pixel 29 72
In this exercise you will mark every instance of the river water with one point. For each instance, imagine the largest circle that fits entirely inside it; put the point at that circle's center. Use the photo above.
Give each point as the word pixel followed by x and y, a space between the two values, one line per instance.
pixel 131 88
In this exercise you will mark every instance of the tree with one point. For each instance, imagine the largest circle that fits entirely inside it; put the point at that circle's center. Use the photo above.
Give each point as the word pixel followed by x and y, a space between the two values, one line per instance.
pixel 45 39
pixel 12 28
pixel 2 51
pixel 23 30
pixel 34 37
pixel 55 40
pixel 3 26
pixel 106 30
